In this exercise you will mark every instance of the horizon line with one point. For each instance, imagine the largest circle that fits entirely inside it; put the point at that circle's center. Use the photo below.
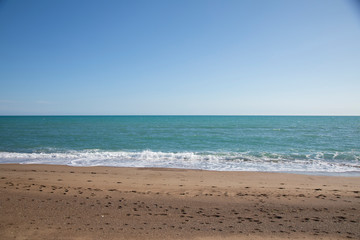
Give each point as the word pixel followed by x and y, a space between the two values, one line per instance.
pixel 175 115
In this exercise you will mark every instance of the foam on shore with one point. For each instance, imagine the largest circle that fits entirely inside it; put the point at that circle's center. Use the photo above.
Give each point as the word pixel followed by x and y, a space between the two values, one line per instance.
pixel 317 163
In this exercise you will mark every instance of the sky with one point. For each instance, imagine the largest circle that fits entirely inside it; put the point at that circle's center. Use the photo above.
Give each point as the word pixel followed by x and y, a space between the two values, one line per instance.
pixel 179 57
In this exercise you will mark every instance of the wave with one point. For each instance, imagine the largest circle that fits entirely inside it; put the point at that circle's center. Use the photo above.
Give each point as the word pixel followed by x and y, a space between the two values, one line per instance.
pixel 227 161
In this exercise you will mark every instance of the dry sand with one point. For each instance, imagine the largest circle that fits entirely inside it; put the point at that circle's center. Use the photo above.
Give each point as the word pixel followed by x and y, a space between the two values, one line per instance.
pixel 61 202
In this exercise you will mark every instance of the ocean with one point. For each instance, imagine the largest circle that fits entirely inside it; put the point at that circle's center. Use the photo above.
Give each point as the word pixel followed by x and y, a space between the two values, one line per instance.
pixel 296 144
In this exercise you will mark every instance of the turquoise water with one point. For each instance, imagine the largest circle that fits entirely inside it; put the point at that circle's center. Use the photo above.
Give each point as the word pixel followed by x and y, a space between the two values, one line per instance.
pixel 314 145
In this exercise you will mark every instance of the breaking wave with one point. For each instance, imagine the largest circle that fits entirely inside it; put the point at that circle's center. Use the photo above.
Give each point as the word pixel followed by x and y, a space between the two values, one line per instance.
pixel 325 163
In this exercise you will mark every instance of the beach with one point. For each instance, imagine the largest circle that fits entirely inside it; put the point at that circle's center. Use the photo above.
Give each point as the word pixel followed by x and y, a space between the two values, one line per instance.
pixel 179 120
pixel 62 202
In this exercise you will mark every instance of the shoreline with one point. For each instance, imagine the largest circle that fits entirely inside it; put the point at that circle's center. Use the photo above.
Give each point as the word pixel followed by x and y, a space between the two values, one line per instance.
pixel 67 202
pixel 302 173
pixel 306 173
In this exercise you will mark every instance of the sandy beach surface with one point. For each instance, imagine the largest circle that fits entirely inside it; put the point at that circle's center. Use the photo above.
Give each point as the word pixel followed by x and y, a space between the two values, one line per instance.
pixel 62 202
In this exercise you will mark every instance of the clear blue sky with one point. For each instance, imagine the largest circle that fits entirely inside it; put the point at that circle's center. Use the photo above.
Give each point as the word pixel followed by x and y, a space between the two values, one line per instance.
pixel 180 57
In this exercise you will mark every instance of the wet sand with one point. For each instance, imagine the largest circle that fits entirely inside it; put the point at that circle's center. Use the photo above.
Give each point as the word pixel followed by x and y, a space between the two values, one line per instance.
pixel 61 202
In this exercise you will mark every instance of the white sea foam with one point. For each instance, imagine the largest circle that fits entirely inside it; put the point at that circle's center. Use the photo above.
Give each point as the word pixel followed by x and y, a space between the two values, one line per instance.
pixel 207 161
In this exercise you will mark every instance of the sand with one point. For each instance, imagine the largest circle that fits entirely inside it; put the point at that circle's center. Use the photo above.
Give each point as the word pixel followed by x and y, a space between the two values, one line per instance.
pixel 61 202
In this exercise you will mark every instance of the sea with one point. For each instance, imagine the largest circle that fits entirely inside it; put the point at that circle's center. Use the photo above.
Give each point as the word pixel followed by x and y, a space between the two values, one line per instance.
pixel 314 145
